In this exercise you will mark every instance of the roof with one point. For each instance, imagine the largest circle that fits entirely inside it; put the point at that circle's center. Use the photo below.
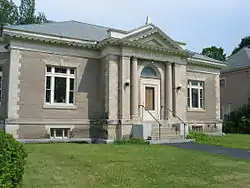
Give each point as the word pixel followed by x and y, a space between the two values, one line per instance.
pixel 203 57
pixel 239 60
pixel 69 29
pixel 82 31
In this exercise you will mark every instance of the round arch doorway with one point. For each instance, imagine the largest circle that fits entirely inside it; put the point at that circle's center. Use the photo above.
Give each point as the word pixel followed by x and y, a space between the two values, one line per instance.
pixel 150 93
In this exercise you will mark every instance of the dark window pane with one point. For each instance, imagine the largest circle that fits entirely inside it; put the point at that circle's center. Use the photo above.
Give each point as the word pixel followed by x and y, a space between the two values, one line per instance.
pixel 60 70
pixel 59 132
pixel 60 90
pixel 66 132
pixel 71 97
pixel 72 71
pixel 71 84
pixel 148 72
pixel 194 83
pixel 48 78
pixel 48 93
pixel 52 133
pixel 48 69
pixel 195 98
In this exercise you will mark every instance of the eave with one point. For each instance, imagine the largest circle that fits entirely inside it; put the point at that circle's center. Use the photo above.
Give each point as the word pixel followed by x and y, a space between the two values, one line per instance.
pixel 204 63
pixel 49 39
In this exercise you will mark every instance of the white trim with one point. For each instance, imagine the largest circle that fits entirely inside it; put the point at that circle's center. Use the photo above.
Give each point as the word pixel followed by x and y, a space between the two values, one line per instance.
pixel 139 30
pixel 199 88
pixel 52 76
pixel 1 87
pixel 201 71
pixel 10 31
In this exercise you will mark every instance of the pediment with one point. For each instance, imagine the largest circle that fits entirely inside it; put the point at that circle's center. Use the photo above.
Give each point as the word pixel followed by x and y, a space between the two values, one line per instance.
pixel 155 37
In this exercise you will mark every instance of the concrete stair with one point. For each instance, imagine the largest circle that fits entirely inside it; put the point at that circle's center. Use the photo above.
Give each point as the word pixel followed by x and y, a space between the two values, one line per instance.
pixel 167 133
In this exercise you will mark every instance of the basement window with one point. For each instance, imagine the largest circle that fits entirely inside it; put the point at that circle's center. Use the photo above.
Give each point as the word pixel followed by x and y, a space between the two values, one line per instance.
pixel 59 133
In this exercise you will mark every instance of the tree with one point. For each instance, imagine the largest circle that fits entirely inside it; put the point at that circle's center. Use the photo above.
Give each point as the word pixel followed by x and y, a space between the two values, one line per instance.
pixel 245 42
pixel 11 14
pixel 215 53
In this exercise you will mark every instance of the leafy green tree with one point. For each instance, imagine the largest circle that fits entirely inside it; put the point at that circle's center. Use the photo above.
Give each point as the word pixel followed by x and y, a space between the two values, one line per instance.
pixel 8 13
pixel 215 53
pixel 245 42
pixel 11 14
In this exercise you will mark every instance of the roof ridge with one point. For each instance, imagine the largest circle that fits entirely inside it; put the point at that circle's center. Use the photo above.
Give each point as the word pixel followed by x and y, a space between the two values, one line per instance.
pixel 96 25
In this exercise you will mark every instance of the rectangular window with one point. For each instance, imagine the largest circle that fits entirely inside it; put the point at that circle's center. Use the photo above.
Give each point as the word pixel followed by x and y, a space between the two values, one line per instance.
pixel 60 133
pixel 60 85
pixel 195 96
pixel 222 82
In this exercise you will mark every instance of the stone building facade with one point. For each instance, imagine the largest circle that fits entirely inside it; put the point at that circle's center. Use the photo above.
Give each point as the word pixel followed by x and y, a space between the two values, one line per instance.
pixel 77 80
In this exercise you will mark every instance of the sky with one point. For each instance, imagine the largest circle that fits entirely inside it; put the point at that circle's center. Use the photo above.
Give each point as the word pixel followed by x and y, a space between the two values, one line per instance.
pixel 199 23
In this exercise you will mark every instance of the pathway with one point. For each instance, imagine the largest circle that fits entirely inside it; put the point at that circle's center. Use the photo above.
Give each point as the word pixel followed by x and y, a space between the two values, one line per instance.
pixel 236 153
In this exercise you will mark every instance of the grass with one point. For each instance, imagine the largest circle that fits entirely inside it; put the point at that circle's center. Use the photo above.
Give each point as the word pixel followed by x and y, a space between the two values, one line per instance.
pixel 135 166
pixel 229 140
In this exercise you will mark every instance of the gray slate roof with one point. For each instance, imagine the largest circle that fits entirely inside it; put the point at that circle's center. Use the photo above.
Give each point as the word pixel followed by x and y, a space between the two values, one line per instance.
pixel 69 29
pixel 239 60
pixel 202 57
pixel 81 31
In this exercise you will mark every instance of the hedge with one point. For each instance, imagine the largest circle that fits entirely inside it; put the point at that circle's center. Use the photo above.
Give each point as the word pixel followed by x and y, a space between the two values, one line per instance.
pixel 12 161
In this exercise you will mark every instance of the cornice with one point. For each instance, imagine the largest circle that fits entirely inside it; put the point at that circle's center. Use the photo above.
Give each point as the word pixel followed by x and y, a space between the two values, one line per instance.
pixel 50 39
pixel 134 44
pixel 206 63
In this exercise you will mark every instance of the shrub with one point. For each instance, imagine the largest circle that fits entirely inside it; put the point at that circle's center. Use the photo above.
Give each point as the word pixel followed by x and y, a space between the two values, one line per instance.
pixel 198 136
pixel 130 141
pixel 12 160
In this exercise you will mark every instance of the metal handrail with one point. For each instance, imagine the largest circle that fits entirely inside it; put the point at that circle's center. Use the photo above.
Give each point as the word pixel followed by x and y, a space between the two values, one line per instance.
pixel 178 119
pixel 159 123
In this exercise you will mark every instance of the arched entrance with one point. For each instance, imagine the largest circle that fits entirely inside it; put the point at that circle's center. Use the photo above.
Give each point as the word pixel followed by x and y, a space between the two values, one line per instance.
pixel 150 93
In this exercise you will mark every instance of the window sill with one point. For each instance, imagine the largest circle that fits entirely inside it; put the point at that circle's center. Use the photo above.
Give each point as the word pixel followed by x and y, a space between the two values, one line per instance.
pixel 196 110
pixel 60 107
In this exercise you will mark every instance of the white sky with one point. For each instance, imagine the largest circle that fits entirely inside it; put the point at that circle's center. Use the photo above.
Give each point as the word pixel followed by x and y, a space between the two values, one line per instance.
pixel 200 23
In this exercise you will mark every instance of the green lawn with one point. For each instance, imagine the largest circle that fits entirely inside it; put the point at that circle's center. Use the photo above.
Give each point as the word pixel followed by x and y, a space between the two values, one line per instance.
pixel 229 140
pixel 123 166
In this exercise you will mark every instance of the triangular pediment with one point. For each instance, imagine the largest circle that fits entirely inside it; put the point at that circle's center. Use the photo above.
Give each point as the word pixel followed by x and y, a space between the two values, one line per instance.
pixel 155 37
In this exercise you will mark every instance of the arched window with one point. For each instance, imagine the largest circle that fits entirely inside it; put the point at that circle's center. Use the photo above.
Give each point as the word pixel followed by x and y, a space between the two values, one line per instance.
pixel 148 72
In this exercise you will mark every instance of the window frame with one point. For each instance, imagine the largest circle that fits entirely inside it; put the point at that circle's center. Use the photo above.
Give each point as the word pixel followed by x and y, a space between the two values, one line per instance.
pixel 225 82
pixel 64 130
pixel 201 99
pixel 52 74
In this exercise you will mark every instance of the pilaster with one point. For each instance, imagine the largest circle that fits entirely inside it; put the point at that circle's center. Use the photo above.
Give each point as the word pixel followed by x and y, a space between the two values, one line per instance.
pixel 14 91
pixel 217 96
pixel 124 87
pixel 111 87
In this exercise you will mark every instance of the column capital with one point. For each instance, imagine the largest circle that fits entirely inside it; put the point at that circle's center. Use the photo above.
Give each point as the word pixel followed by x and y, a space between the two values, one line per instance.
pixel 134 58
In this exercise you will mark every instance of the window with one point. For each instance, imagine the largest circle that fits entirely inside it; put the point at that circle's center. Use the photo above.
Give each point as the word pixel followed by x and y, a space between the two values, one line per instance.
pixel 222 82
pixel 195 98
pixel 60 84
pixel 148 72
pixel 61 133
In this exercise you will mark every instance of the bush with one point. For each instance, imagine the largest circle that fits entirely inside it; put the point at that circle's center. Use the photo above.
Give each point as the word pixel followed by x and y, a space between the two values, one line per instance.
pixel 12 160
pixel 198 136
pixel 130 141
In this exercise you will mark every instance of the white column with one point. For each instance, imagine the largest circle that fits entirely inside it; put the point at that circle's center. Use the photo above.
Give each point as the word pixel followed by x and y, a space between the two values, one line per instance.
pixel 168 90
pixel 134 88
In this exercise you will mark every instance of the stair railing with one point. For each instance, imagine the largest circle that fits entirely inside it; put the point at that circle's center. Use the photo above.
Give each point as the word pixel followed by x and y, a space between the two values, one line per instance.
pixel 178 119
pixel 159 123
